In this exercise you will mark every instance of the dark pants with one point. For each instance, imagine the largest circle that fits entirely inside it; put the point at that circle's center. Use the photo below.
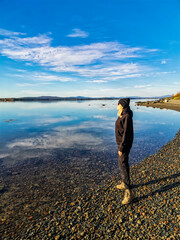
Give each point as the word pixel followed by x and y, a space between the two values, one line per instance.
pixel 123 162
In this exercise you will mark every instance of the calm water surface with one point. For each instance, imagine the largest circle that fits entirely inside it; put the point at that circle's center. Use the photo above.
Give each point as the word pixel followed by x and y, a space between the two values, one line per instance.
pixel 53 130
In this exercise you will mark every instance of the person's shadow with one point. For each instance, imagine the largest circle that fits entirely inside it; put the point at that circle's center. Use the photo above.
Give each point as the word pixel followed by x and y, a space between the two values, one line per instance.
pixel 161 190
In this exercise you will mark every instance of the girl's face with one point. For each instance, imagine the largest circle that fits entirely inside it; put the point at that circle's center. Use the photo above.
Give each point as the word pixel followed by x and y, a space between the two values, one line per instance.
pixel 120 109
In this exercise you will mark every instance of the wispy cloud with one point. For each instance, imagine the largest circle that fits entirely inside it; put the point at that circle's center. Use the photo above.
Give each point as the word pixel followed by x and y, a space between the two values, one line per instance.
pixel 40 78
pixel 142 86
pixel 97 81
pixel 21 70
pixel 114 70
pixel 50 78
pixel 15 43
pixel 76 32
pixel 176 83
pixel 4 32
pixel 163 62
pixel 152 50
pixel 102 61
pixel 32 84
pixel 26 84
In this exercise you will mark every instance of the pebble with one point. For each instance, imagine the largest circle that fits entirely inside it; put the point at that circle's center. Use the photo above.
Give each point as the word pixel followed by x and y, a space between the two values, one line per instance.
pixel 57 237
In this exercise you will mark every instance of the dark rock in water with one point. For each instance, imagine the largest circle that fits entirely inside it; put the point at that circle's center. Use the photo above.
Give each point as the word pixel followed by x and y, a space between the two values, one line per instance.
pixel 10 120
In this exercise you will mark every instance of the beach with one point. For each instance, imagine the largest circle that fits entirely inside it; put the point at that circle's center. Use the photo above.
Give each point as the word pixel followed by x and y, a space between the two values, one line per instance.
pixel 98 213
pixel 171 104
pixel 36 205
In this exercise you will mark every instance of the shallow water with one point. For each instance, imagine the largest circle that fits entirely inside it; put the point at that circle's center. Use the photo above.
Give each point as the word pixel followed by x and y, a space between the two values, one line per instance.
pixel 43 130
pixel 59 151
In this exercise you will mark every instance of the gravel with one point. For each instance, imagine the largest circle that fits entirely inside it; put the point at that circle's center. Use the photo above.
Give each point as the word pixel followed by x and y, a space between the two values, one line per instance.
pixel 36 204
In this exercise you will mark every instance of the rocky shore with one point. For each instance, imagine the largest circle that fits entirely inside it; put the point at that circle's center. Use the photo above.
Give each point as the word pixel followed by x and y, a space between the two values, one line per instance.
pixel 162 103
pixel 38 212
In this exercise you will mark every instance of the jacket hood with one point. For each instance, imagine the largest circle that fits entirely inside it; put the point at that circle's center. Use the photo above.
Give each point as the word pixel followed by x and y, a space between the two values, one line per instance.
pixel 124 102
pixel 127 110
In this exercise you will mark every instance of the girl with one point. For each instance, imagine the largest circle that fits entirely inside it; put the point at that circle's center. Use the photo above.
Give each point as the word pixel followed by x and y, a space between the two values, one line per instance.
pixel 124 139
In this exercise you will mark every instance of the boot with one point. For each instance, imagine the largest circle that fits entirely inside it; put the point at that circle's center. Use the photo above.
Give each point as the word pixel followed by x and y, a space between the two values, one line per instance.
pixel 122 186
pixel 128 197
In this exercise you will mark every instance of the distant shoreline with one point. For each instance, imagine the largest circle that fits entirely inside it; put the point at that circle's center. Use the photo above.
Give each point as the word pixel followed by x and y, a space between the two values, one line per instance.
pixel 50 99
pixel 39 99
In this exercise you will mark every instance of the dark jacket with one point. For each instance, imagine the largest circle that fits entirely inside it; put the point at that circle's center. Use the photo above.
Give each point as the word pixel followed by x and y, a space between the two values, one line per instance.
pixel 124 131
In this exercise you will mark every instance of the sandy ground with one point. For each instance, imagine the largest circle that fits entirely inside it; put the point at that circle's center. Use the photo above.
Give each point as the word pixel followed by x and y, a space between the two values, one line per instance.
pixel 172 104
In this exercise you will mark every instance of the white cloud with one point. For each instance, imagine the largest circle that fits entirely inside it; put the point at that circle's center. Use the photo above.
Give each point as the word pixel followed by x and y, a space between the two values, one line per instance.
pixel 78 33
pixel 110 78
pixel 102 61
pixel 152 50
pixel 164 73
pixel 176 83
pixel 163 62
pixel 108 73
pixel 40 40
pixel 38 50
pixel 49 78
pixel 40 78
pixel 32 84
pixel 142 86
pixel 97 81
pixel 117 70
pixel 15 75
pixel 26 84
pixel 4 32
pixel 21 70
pixel 15 43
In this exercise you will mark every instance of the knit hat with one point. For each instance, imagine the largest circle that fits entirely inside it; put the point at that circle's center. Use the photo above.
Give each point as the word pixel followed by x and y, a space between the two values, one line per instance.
pixel 124 102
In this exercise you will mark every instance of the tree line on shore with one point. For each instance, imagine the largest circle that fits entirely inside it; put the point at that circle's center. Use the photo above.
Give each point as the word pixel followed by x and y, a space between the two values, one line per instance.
pixel 51 98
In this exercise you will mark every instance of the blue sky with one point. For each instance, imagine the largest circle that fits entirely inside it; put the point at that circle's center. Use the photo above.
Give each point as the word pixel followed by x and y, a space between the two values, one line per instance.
pixel 99 48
